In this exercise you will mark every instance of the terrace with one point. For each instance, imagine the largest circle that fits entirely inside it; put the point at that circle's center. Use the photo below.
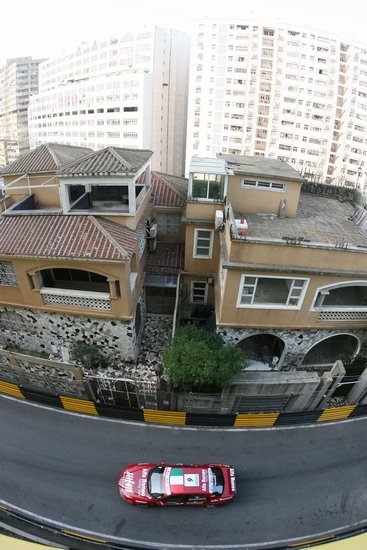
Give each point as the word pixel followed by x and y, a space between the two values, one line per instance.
pixel 321 221
pixel 88 199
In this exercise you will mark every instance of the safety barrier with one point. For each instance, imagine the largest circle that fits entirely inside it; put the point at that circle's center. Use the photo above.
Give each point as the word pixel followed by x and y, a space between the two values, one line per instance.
pixel 72 537
pixel 179 418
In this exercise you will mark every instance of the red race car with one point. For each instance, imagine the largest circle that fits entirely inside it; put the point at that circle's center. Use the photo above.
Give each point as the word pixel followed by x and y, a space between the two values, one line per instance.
pixel 162 484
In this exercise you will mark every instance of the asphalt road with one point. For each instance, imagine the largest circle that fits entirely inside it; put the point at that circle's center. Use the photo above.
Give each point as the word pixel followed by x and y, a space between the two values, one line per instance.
pixel 293 483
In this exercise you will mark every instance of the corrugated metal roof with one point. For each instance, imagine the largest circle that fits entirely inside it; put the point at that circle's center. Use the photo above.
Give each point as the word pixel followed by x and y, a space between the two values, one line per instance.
pixel 48 157
pixel 82 237
pixel 169 190
pixel 111 160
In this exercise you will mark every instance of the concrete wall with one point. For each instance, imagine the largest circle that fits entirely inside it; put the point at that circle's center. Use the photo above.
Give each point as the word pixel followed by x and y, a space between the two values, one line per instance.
pixel 297 342
pixel 53 332
pixel 298 386
pixel 54 377
pixel 255 200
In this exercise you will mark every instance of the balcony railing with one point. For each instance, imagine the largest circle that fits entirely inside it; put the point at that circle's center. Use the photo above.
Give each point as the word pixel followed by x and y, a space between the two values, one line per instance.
pixel 76 298
pixel 343 316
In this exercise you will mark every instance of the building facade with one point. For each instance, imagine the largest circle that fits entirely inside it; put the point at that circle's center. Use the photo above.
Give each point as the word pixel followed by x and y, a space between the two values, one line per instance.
pixel 94 242
pixel 281 92
pixel 73 248
pixel 278 267
pixel 130 91
pixel 18 81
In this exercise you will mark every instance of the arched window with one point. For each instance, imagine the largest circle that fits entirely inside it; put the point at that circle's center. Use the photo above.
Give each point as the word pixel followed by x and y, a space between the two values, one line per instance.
pixel 341 347
pixel 74 288
pixel 351 295
pixel 74 279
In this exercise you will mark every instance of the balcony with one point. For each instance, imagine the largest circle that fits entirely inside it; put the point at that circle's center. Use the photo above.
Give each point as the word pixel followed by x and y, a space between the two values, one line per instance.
pixel 84 199
pixel 113 199
pixel 76 298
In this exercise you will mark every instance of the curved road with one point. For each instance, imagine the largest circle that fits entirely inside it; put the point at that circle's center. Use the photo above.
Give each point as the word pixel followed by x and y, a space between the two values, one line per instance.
pixel 293 483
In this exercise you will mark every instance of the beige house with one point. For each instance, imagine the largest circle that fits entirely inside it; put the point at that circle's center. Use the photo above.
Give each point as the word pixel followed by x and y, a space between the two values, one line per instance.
pixel 73 246
pixel 91 243
pixel 279 267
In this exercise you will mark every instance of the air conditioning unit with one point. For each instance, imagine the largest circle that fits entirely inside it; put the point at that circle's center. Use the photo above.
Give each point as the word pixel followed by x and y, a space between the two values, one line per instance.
pixel 219 219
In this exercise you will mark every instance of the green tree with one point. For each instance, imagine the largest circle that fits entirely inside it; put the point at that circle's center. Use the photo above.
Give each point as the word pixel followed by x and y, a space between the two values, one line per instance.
pixel 197 360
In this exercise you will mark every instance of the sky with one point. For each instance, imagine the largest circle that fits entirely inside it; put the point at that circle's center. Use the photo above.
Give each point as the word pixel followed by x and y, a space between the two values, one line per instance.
pixel 43 29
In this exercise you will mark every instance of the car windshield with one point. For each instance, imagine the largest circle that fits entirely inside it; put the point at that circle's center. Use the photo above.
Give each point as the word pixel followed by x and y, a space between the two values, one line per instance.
pixel 217 481
pixel 155 482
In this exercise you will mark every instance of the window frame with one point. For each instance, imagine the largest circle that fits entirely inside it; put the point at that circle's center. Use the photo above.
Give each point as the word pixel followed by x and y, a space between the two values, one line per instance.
pixel 285 306
pixel 324 289
pixel 210 180
pixel 261 185
pixel 210 247
pixel 192 292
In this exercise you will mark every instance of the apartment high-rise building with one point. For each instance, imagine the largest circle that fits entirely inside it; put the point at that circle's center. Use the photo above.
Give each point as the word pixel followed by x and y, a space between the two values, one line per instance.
pixel 282 92
pixel 129 91
pixel 18 80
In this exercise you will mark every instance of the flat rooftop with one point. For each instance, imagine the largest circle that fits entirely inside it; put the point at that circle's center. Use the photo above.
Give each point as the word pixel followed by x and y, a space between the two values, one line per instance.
pixel 319 220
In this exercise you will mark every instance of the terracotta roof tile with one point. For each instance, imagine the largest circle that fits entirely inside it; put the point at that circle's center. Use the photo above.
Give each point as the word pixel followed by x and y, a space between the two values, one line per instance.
pixel 167 259
pixel 82 237
pixel 111 160
pixel 49 157
pixel 169 190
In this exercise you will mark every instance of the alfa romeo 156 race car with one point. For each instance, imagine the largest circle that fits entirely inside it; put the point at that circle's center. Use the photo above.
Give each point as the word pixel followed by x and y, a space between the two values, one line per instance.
pixel 147 484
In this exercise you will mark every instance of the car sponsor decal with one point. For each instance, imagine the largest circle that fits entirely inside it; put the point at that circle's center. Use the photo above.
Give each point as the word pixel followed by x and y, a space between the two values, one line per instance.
pixel 129 482
pixel 142 489
pixel 181 481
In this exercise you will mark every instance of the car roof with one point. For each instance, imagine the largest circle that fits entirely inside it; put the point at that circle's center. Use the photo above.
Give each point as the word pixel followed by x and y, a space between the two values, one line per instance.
pixel 188 479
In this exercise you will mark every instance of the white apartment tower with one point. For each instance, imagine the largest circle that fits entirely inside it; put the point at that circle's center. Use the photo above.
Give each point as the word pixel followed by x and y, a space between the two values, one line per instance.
pixel 129 92
pixel 282 92
pixel 18 80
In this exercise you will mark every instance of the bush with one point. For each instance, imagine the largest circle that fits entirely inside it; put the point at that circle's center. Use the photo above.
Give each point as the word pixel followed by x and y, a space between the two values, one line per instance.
pixel 88 355
pixel 197 360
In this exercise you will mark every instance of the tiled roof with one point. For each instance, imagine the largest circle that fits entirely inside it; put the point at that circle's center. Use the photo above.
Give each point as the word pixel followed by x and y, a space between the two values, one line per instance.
pixel 82 237
pixel 49 157
pixel 167 259
pixel 169 190
pixel 111 160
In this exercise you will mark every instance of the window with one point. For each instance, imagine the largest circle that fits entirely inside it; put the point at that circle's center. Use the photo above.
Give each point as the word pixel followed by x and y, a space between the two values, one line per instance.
pixel 73 279
pixel 208 186
pixel 199 292
pixel 273 292
pixel 344 296
pixel 263 185
pixel 203 243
